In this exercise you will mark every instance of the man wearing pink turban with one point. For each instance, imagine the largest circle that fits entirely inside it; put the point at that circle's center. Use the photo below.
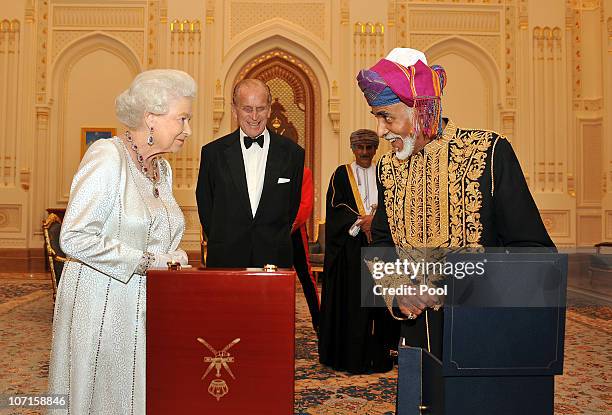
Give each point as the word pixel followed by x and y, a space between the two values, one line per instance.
pixel 442 186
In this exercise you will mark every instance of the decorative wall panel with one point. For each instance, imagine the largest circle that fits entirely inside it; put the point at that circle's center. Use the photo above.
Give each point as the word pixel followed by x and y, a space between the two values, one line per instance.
pixel 523 10
pixel 345 12
pixel 293 107
pixel 98 17
pixel 510 30
pixel 589 230
pixel 491 44
pixel 368 48
pixel 192 220
pixel 153 13
pixel 484 25
pixel 586 19
pixel 41 52
pixel 186 55
pixel 423 41
pixel 11 243
pixel 576 20
pixel 192 237
pixel 557 222
pixel 590 179
pixel 10 81
pixel 135 39
pixel 397 19
pixel 311 16
pixel 128 24
pixel 454 21
pixel 210 11
pixel 218 107
pixel 62 38
pixel 10 218
pixel 550 152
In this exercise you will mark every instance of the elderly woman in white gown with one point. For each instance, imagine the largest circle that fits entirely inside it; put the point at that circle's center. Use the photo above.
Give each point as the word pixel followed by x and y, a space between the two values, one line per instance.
pixel 121 220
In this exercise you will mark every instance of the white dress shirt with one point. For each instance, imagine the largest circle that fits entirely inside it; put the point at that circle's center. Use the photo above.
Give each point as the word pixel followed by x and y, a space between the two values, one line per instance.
pixel 255 158
pixel 366 183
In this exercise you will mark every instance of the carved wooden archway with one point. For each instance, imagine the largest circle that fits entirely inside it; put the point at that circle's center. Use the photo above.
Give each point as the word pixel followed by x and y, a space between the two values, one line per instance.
pixel 295 105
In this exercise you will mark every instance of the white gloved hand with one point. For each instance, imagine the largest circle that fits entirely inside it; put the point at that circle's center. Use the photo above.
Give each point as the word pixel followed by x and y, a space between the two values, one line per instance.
pixel 161 260
pixel 179 256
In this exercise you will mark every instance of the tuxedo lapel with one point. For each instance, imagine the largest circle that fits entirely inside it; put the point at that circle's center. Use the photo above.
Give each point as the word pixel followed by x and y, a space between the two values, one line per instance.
pixel 235 166
pixel 273 169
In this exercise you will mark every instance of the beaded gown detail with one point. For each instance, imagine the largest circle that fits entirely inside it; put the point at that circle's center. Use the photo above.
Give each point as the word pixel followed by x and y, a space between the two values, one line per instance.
pixel 112 219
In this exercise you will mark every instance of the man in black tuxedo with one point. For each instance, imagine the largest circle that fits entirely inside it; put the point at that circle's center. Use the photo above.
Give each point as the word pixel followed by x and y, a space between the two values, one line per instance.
pixel 249 187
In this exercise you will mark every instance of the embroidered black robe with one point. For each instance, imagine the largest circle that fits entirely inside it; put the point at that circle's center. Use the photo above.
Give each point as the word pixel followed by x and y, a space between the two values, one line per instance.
pixel 465 189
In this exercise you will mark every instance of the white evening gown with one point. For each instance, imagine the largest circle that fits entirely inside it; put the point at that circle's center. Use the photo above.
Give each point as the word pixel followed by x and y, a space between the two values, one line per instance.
pixel 98 347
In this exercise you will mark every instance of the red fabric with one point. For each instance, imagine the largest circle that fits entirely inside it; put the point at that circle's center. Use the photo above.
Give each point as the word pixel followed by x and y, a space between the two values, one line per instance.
pixel 304 212
pixel 306 201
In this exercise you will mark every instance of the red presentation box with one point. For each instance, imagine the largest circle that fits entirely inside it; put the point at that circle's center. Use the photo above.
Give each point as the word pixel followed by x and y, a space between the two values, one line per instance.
pixel 220 341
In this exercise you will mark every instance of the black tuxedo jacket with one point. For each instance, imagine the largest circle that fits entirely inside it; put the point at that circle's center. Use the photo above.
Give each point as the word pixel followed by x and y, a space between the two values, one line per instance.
pixel 236 239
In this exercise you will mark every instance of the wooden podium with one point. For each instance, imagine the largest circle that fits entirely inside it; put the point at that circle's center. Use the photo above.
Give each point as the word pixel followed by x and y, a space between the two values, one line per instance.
pixel 220 341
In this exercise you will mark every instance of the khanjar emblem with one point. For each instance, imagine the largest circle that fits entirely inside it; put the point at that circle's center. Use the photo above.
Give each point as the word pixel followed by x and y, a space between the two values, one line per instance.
pixel 218 361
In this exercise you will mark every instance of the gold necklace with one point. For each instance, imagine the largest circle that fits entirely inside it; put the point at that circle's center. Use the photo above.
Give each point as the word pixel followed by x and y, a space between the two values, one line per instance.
pixel 140 159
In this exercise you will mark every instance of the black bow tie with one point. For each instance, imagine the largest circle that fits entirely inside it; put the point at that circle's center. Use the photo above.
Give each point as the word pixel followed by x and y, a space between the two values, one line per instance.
pixel 248 141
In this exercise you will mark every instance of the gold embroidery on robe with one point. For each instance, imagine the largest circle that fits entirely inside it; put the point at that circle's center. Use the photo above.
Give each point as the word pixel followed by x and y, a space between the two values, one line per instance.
pixel 433 199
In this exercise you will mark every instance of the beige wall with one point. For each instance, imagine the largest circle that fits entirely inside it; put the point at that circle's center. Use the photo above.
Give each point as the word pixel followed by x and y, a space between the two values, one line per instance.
pixel 538 71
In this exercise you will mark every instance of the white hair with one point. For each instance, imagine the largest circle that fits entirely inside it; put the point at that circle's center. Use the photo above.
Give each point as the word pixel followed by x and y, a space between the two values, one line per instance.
pixel 151 91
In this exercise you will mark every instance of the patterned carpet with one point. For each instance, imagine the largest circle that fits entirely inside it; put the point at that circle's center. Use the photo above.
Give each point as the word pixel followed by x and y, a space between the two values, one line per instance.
pixel 25 329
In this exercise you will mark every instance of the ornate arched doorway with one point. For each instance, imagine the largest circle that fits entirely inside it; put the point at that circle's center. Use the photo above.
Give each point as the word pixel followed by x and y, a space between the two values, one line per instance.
pixel 295 103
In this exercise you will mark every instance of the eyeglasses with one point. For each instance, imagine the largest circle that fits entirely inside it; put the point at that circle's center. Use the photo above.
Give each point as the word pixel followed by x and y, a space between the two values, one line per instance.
pixel 364 147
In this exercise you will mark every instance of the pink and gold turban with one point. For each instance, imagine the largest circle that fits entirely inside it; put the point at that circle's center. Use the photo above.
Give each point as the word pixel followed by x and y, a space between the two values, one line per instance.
pixel 415 84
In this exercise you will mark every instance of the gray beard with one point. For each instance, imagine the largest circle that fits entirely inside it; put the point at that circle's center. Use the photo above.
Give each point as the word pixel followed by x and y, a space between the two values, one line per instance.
pixel 408 147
